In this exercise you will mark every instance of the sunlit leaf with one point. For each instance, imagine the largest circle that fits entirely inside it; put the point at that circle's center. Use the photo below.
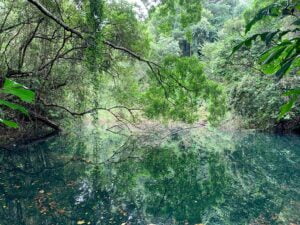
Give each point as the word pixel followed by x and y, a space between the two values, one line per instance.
pixel 14 106
pixel 292 92
pixel 14 88
pixel 9 123
pixel 287 107
pixel 270 68
pixel 284 68
pixel 272 55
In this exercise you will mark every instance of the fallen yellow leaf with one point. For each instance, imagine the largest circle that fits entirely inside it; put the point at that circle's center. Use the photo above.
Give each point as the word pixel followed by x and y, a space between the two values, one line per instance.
pixel 80 222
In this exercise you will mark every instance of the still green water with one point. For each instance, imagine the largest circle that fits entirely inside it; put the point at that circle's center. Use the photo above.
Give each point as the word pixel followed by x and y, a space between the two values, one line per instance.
pixel 190 177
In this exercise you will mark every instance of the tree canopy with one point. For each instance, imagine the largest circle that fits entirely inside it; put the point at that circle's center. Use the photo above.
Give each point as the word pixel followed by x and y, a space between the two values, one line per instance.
pixel 85 56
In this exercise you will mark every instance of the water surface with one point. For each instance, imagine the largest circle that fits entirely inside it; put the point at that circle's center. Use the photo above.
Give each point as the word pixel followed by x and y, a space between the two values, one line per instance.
pixel 190 177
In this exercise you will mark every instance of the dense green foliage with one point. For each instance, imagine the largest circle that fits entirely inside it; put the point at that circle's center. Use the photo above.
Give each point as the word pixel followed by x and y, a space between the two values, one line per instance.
pixel 84 56
pixel 252 95
pixel 139 94
pixel 170 102
pixel 174 63
pixel 10 87
pixel 282 56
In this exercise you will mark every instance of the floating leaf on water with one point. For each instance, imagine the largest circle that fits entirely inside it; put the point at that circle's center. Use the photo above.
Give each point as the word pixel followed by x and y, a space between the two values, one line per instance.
pixel 80 222
pixel 61 211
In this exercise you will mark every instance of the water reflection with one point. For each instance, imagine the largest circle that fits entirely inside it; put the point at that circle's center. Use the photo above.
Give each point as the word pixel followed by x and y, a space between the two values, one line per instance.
pixel 188 178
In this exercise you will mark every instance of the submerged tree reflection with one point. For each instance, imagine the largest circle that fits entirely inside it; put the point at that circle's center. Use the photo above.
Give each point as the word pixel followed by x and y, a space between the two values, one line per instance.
pixel 187 179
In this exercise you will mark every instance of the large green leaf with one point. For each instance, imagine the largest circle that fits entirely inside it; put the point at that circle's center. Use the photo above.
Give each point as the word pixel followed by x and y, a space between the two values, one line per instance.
pixel 284 68
pixel 271 55
pixel 267 37
pixel 270 68
pixel 9 123
pixel 246 42
pixel 287 107
pixel 14 88
pixel 270 10
pixel 296 63
pixel 23 94
pixel 292 92
pixel 279 8
pixel 14 106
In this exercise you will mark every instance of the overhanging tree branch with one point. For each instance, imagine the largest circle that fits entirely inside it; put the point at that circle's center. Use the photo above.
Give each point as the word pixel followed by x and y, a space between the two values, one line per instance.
pixel 51 16
pixel 44 120
pixel 90 110
pixel 129 52
pixel 47 13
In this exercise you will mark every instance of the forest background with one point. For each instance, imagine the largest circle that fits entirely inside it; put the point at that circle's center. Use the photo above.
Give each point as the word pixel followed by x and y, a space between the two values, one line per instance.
pixel 230 63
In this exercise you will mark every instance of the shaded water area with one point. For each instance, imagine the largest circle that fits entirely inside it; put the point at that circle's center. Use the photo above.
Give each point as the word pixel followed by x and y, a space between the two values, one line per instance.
pixel 190 177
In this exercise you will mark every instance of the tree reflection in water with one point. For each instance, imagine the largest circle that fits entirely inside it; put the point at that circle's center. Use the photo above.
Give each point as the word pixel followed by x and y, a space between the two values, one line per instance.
pixel 189 178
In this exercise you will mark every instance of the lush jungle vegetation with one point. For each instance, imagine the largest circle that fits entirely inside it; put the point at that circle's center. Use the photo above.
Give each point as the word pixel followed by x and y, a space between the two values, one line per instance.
pixel 149 112
pixel 226 62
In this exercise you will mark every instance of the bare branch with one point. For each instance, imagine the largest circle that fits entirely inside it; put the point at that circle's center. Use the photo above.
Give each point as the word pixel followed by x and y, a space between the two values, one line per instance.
pixel 90 110
pixel 58 21
pixel 17 73
pixel 129 52
pixel 45 120
pixel 3 29
pixel 57 86
pixel 27 43
pixel 8 44
pixel 60 56
pixel 5 18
